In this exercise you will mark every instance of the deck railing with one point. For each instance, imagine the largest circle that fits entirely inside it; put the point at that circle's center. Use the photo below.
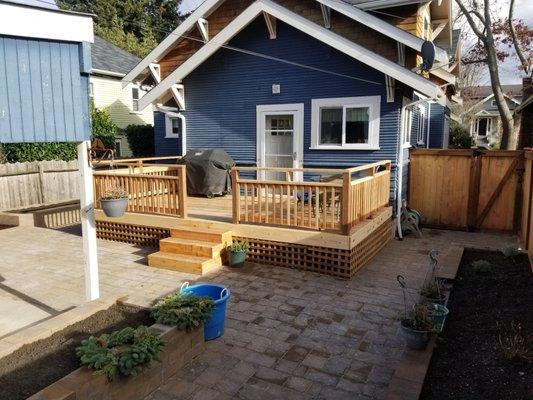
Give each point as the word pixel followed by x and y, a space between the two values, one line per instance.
pixel 154 189
pixel 325 199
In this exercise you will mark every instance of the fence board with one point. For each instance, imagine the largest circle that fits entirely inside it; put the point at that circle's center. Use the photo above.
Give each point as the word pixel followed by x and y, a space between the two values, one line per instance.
pixel 36 183
pixel 526 222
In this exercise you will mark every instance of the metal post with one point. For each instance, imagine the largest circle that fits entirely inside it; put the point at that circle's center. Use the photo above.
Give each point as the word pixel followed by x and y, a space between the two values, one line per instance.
pixel 88 226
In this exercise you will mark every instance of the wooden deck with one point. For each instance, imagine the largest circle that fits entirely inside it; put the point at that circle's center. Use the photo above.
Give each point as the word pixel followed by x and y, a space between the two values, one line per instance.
pixel 214 209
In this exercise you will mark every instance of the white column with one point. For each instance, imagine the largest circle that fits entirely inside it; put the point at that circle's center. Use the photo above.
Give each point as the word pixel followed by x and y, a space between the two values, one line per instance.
pixel 88 226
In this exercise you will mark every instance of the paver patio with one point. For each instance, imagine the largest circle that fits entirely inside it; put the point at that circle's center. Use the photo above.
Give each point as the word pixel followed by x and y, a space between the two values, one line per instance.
pixel 289 334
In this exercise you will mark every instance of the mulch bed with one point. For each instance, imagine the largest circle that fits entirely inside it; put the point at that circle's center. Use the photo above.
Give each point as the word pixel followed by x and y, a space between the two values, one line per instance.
pixel 39 364
pixel 469 360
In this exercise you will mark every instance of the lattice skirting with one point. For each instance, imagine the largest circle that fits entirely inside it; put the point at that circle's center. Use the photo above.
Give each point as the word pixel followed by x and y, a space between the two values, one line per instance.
pixel 140 235
pixel 329 261
pixel 336 262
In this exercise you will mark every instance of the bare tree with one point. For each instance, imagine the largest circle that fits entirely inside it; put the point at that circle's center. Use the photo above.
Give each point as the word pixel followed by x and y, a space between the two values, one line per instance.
pixel 488 33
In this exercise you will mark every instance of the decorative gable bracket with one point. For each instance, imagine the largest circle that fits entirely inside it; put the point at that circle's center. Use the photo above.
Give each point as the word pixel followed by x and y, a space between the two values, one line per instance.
pixel 178 92
pixel 203 27
pixel 155 70
pixel 271 25
pixel 390 83
pixel 326 14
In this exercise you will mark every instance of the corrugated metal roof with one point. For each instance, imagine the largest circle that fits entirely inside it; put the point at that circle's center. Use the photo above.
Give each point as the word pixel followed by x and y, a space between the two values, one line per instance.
pixel 108 57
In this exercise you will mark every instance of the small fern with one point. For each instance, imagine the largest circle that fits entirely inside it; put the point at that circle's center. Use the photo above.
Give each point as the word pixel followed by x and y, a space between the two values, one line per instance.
pixel 183 310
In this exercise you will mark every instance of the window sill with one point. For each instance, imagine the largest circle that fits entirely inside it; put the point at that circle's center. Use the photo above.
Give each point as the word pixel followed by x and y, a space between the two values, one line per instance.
pixel 136 112
pixel 172 136
pixel 407 146
pixel 345 148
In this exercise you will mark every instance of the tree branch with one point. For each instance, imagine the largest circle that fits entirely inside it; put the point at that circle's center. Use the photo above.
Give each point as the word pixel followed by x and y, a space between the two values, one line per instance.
pixel 471 21
pixel 517 48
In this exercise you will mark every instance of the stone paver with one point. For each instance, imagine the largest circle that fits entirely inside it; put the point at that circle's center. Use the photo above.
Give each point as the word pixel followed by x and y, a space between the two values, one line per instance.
pixel 289 334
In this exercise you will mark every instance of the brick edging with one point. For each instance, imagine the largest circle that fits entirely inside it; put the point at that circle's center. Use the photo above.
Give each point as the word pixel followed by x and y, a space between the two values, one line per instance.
pixel 82 384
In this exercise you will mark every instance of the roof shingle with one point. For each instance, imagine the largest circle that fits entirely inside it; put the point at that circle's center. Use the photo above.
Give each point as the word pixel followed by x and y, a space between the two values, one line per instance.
pixel 108 57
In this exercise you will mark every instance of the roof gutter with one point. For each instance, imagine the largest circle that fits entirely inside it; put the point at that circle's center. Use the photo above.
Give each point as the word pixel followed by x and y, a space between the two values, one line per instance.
pixel 106 72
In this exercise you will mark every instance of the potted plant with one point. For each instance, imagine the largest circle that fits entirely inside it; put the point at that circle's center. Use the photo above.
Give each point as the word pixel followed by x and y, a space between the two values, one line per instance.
pixel 432 289
pixel 237 253
pixel 114 202
pixel 417 327
pixel 437 316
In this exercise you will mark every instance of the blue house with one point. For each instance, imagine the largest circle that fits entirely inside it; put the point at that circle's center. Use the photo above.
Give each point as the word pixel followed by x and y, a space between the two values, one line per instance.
pixel 315 83
pixel 45 63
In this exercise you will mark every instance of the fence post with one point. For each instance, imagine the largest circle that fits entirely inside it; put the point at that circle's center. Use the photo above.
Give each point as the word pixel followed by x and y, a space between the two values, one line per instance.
pixel 346 201
pixel 236 195
pixel 473 190
pixel 182 191
pixel 41 183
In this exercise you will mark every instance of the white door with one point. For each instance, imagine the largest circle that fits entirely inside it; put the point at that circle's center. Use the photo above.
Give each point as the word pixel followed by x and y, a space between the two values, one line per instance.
pixel 280 138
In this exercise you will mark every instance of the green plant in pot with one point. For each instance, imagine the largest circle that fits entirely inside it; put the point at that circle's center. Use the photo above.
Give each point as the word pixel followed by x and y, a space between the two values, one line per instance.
pixel 114 202
pixel 237 253
pixel 417 327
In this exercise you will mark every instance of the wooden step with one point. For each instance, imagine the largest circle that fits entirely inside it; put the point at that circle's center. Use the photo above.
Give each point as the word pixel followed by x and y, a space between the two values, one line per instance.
pixel 190 247
pixel 184 263
pixel 214 235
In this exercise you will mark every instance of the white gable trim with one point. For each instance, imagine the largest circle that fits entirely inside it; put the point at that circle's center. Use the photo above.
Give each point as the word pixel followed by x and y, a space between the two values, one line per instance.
pixel 490 96
pixel 162 48
pixel 384 27
pixel 338 42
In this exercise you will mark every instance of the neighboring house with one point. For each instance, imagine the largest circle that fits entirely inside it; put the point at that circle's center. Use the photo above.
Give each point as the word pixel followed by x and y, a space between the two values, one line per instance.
pixel 299 83
pixel 484 117
pixel 110 65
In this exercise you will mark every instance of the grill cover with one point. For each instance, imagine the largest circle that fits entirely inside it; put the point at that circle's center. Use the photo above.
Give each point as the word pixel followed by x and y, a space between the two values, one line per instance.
pixel 208 171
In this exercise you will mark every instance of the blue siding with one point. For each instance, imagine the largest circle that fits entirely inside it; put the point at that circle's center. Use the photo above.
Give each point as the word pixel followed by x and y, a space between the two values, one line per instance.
pixel 43 92
pixel 164 146
pixel 222 94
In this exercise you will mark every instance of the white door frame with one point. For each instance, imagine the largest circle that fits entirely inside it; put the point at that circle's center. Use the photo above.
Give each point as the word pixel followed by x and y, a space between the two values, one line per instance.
pixel 297 110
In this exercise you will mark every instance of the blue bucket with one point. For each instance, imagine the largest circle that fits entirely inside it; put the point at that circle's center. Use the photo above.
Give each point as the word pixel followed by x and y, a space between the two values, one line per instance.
pixel 214 328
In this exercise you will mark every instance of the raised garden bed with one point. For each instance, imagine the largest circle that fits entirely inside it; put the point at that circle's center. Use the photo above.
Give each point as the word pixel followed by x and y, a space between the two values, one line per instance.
pixel 469 361
pixel 39 364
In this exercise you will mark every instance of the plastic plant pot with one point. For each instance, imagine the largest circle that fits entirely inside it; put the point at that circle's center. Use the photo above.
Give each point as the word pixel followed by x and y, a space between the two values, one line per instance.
pixel 237 258
pixel 414 339
pixel 214 328
pixel 438 316
pixel 114 208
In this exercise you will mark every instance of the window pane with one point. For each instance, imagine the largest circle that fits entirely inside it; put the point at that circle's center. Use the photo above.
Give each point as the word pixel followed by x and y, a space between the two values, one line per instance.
pixel 357 123
pixel 135 93
pixel 331 126
pixel 176 126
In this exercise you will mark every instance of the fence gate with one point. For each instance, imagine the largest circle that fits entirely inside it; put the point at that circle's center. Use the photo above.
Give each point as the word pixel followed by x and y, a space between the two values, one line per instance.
pixel 467 189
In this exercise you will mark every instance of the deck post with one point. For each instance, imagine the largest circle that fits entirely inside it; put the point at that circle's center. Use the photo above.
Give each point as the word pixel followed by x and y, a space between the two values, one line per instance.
pixel 236 195
pixel 88 225
pixel 346 201
pixel 182 191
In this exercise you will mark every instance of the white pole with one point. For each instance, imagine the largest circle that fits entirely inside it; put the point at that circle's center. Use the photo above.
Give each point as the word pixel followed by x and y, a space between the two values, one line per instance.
pixel 88 226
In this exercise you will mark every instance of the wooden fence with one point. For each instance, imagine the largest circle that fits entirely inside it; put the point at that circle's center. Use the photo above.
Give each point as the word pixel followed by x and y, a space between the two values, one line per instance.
pixel 467 189
pixel 336 203
pixel 526 223
pixel 36 183
pixel 158 189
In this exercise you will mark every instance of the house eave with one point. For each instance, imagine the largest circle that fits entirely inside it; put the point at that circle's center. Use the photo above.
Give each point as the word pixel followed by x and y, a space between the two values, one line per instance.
pixel 334 40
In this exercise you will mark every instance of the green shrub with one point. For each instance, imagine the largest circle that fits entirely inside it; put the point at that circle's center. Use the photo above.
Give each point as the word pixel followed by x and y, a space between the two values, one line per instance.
pixel 481 266
pixel 103 127
pixel 511 251
pixel 183 310
pixel 120 353
pixel 239 246
pixel 460 137
pixel 26 152
pixel 141 140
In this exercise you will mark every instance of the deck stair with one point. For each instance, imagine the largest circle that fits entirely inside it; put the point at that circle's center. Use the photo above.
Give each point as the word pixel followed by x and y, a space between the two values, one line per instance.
pixel 192 250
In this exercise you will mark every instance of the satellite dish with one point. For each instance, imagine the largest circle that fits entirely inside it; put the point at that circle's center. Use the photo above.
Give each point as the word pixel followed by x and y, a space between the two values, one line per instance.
pixel 428 55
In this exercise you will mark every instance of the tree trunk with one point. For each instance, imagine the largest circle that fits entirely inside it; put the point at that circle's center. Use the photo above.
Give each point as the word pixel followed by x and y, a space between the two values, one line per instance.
pixel 492 63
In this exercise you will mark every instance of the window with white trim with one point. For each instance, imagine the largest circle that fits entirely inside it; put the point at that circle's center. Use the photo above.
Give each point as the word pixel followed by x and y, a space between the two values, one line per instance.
pixel 91 90
pixel 408 126
pixel 421 133
pixel 346 123
pixel 135 96
pixel 175 126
